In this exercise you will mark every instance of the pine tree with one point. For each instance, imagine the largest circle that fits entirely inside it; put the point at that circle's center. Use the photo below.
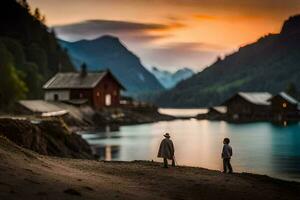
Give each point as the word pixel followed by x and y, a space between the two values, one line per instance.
pixel 24 4
pixel 43 19
pixel 291 90
pixel 37 14
pixel 12 87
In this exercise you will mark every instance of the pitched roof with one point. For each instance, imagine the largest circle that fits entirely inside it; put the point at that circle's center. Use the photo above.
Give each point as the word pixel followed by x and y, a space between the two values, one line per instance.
pixel 220 109
pixel 258 98
pixel 74 80
pixel 288 98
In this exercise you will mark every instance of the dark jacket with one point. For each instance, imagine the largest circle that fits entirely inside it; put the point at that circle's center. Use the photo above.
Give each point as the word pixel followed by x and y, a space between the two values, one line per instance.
pixel 227 151
pixel 166 149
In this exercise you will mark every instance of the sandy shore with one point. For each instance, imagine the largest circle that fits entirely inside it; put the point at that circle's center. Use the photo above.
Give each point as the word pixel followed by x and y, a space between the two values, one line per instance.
pixel 28 175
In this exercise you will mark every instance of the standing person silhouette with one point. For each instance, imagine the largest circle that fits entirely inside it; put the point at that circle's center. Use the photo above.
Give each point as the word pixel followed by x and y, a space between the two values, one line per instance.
pixel 166 150
pixel 226 155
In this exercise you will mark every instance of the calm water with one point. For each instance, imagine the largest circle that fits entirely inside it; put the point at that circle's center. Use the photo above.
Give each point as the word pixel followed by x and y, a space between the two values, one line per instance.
pixel 257 147
pixel 182 112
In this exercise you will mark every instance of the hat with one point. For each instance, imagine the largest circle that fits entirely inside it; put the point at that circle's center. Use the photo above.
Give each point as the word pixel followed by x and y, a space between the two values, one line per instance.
pixel 167 135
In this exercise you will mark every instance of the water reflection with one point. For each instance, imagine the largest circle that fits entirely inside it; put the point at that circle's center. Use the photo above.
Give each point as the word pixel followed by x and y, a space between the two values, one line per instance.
pixel 106 129
pixel 107 152
pixel 257 147
pixel 285 150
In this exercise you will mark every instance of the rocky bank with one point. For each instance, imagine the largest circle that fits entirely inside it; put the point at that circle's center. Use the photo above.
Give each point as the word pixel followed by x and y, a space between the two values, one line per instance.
pixel 49 136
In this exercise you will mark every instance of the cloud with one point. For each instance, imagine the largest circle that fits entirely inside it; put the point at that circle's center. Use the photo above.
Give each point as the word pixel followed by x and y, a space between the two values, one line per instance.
pixel 138 37
pixel 173 56
pixel 110 25
pixel 204 17
pixel 195 46
pixel 94 28
pixel 226 22
pixel 243 5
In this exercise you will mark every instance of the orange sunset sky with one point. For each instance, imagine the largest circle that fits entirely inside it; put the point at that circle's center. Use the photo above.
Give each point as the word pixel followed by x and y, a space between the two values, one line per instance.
pixel 170 34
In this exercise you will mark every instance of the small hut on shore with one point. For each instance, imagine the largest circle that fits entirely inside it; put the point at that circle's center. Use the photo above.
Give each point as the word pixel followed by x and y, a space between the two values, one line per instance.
pixel 248 106
pixel 284 107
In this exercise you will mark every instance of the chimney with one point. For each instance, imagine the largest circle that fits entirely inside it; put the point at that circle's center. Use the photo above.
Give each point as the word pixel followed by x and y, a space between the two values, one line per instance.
pixel 83 71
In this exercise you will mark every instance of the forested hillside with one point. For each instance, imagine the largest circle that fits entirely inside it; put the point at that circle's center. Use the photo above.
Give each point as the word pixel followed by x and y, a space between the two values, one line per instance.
pixel 271 64
pixel 29 52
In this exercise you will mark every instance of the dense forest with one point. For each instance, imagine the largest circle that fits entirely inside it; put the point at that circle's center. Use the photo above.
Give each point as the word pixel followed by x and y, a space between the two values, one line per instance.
pixel 271 64
pixel 29 52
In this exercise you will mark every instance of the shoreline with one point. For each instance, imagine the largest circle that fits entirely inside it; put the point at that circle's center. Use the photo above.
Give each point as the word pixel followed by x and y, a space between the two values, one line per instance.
pixel 20 125
pixel 28 175
pixel 283 174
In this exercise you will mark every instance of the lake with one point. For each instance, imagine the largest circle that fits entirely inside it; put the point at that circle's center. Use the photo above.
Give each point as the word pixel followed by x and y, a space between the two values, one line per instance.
pixel 182 112
pixel 261 148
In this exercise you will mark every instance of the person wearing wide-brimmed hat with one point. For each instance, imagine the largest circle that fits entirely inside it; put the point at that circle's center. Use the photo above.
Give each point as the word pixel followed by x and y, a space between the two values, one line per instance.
pixel 166 150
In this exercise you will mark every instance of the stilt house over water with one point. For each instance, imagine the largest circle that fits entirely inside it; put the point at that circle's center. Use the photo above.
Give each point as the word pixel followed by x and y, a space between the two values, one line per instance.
pixel 99 89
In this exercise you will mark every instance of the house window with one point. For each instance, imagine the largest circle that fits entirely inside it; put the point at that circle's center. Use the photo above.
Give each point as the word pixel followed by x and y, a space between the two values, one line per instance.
pixel 115 92
pixel 284 105
pixel 107 100
pixel 80 95
pixel 56 98
pixel 98 94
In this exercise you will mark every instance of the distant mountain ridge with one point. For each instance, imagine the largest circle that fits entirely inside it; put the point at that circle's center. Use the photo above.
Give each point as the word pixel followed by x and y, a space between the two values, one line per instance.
pixel 107 52
pixel 169 79
pixel 270 64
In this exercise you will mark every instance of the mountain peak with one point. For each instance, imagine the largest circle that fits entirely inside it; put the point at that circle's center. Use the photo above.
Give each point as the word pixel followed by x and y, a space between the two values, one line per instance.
pixel 186 69
pixel 110 52
pixel 108 38
pixel 155 68
pixel 169 79
pixel 292 25
pixel 103 39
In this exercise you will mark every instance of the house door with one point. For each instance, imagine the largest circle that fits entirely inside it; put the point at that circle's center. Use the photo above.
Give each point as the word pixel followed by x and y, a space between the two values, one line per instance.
pixel 107 100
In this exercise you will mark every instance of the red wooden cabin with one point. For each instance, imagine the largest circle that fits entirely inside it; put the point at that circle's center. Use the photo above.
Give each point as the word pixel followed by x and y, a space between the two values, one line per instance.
pixel 99 89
